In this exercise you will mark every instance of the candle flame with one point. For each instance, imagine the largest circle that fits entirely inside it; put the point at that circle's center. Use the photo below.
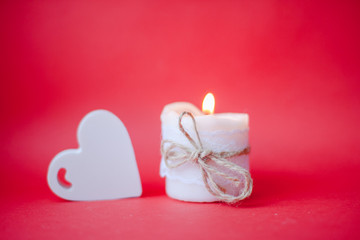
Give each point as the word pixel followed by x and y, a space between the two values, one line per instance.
pixel 208 105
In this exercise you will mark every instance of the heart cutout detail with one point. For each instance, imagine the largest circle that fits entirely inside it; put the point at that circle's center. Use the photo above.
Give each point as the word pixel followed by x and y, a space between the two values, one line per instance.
pixel 104 165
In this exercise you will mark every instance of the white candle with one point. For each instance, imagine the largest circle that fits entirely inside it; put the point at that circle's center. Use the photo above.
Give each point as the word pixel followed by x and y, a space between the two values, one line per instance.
pixel 226 132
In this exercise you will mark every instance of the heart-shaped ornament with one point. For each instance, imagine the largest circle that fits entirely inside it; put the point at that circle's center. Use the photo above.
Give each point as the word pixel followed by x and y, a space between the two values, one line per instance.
pixel 104 165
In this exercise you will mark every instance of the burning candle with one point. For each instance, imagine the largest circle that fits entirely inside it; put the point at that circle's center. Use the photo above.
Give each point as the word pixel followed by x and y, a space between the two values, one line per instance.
pixel 205 155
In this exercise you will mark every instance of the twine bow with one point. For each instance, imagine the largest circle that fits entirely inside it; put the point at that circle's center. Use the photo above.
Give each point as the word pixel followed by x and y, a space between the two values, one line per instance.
pixel 174 158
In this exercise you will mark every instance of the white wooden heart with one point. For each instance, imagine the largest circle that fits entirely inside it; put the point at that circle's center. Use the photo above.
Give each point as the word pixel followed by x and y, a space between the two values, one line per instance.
pixel 104 165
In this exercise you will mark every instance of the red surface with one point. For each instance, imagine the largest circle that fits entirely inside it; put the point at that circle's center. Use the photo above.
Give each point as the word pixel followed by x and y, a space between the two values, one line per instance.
pixel 292 65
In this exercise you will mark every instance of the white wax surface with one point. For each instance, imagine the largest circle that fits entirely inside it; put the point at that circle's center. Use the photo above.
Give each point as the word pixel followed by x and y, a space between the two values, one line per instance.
pixel 218 132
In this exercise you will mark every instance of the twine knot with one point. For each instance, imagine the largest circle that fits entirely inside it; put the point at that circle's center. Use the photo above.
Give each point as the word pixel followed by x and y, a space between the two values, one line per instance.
pixel 200 154
pixel 202 157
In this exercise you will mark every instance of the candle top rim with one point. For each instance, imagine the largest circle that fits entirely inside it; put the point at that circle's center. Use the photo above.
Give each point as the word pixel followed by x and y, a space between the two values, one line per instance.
pixel 179 107
pixel 219 121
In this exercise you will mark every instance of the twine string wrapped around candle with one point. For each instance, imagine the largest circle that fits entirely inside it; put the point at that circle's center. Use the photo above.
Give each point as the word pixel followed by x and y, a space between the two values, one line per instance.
pixel 174 158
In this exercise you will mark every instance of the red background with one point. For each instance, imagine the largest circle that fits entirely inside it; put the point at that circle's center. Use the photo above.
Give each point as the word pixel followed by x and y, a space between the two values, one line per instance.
pixel 292 65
